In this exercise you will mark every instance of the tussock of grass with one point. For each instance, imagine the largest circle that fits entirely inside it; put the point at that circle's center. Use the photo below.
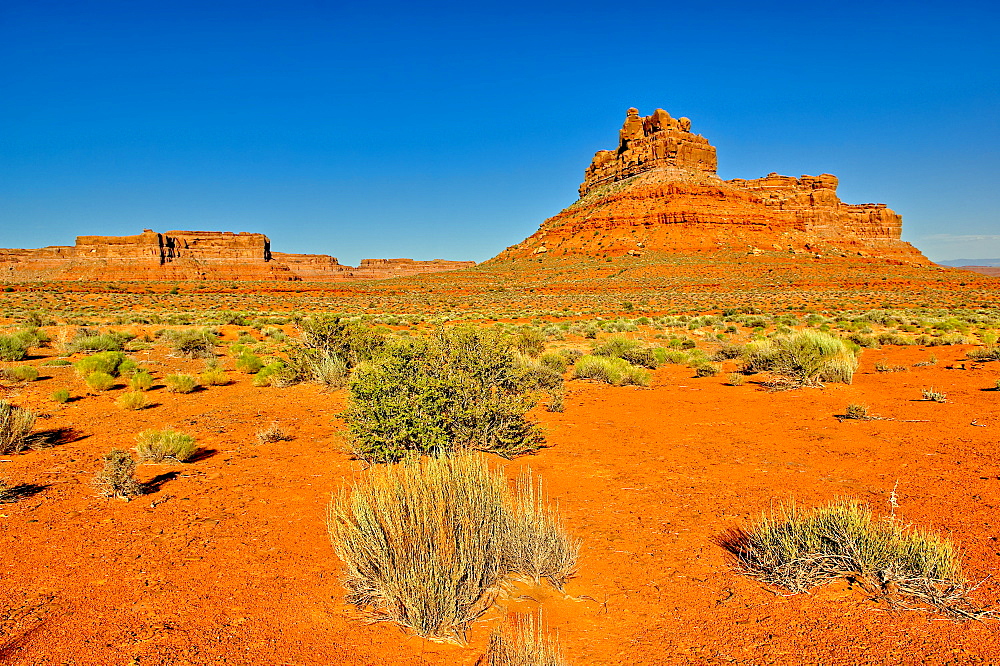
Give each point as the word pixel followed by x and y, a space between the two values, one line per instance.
pixel 181 383
pixel 15 425
pixel 807 356
pixel 106 362
pixel 158 445
pixel 141 381
pixel 20 373
pixel 428 543
pixel 132 400
pixel 214 377
pixel 521 641
pixel 100 381
pixel 800 549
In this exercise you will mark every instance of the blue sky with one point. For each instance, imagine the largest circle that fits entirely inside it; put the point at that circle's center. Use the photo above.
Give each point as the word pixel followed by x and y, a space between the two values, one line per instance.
pixel 447 130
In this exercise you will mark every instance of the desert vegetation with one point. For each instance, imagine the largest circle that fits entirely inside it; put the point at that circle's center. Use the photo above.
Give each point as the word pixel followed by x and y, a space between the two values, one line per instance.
pixel 428 544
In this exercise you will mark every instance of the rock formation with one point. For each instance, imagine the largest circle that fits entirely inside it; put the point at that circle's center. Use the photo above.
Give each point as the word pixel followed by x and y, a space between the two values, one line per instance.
pixel 659 192
pixel 195 255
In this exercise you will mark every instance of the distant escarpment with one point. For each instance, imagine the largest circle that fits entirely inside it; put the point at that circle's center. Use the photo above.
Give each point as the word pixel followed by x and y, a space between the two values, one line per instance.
pixel 659 192
pixel 196 255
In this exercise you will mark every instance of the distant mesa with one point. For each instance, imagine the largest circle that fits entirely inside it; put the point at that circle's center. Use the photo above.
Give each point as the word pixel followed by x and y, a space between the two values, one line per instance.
pixel 658 191
pixel 196 255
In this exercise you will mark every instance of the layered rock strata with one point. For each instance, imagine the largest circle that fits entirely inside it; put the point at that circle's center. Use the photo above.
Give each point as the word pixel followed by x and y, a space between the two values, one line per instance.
pixel 195 255
pixel 659 191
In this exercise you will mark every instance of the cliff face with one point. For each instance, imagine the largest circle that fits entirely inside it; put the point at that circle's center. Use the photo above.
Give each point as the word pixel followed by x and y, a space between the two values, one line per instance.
pixel 659 191
pixel 195 255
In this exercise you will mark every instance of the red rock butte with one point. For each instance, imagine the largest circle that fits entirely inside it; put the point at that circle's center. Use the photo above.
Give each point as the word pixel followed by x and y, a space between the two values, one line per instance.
pixel 659 192
pixel 196 255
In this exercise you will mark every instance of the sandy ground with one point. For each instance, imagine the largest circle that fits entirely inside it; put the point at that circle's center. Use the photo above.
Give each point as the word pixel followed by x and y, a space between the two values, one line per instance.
pixel 227 560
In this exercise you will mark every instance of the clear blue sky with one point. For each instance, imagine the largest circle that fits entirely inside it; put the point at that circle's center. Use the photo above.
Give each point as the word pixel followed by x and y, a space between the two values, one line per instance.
pixel 451 130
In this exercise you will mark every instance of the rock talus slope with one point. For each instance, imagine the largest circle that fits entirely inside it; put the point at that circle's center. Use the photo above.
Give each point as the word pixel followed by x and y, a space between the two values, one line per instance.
pixel 659 192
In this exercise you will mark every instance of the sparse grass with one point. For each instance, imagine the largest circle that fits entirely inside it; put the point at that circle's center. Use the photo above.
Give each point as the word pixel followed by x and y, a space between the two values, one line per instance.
pixel 882 367
pixel 539 546
pixel 132 400
pixel 931 360
pixel 158 445
pixel 984 354
pixel 273 433
pixel 15 425
pixel 99 381
pixel 60 396
pixel 180 383
pixel 55 362
pixel 86 340
pixel 932 395
pixel 117 478
pixel 522 641
pixel 427 544
pixel 20 373
pixel 800 549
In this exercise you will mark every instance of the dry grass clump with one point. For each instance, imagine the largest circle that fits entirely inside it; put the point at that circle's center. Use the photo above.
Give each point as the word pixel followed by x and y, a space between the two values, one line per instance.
pixel 735 379
pixel 117 478
pixel 15 425
pixel 934 396
pixel 214 376
pixel 428 543
pixel 158 445
pixel 857 411
pixel 272 434
pixel 522 641
pixel 801 549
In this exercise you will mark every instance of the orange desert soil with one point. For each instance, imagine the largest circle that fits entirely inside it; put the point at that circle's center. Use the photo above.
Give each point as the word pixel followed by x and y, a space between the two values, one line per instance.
pixel 227 561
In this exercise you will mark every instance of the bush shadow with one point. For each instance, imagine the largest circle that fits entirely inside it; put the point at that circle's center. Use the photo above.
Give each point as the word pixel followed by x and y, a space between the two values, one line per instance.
pixel 20 492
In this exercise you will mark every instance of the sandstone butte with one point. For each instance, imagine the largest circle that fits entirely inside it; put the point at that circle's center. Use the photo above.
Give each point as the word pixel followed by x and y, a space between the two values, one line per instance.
pixel 658 192
pixel 196 255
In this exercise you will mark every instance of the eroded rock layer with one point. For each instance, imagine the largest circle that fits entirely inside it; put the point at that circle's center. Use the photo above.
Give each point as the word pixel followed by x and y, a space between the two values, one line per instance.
pixel 659 192
pixel 195 255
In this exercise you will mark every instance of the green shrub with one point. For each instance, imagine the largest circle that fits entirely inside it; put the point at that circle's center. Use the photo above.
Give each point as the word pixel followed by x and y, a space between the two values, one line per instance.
pixel 192 343
pixel 104 362
pixel 275 373
pixel 117 478
pixel 529 341
pixel 460 389
pixel 610 370
pixel 984 354
pixel 21 373
pixel 353 342
pixel 807 356
pixel 13 348
pixel 570 355
pixel 642 356
pixel 428 544
pixel 180 383
pixel 61 396
pixel 55 362
pixel 555 362
pixel 158 445
pixel 249 363
pixel 132 400
pixel 615 346
pixel 99 381
pixel 15 426
pixel 141 381
pixel 801 549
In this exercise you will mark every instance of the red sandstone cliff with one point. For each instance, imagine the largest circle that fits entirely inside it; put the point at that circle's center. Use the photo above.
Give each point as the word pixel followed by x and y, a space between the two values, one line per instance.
pixel 659 192
pixel 195 255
